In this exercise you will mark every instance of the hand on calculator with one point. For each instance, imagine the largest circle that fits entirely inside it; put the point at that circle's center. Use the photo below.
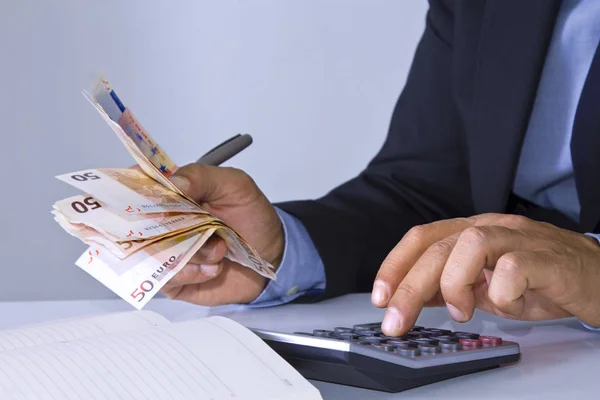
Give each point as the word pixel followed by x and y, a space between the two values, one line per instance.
pixel 504 264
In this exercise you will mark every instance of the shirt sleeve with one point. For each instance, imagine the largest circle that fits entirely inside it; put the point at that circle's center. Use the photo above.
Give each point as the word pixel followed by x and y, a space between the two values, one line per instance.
pixel 593 328
pixel 301 271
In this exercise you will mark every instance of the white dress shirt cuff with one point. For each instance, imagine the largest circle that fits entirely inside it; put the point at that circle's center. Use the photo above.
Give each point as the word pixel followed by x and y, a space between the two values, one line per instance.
pixel 301 271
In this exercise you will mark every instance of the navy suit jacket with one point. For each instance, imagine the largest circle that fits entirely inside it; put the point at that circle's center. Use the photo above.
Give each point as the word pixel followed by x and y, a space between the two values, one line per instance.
pixel 453 142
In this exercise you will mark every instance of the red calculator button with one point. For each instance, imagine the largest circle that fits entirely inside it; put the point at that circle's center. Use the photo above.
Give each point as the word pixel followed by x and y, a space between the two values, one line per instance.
pixel 490 340
pixel 470 343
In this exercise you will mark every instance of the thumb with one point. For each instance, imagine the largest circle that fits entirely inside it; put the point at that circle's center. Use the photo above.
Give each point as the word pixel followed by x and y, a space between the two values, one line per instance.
pixel 211 184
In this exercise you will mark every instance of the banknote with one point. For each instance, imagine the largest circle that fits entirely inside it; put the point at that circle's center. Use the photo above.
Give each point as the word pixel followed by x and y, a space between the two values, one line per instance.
pixel 92 238
pixel 242 253
pixel 106 97
pixel 139 277
pixel 123 227
pixel 125 248
pixel 128 190
pixel 152 170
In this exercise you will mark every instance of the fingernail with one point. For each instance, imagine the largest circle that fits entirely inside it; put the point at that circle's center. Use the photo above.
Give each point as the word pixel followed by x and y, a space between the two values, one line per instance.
pixel 455 313
pixel 210 269
pixel 391 321
pixel 181 182
pixel 380 293
pixel 487 274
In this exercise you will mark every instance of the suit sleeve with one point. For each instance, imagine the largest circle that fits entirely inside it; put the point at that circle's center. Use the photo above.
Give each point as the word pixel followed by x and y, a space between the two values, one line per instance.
pixel 419 175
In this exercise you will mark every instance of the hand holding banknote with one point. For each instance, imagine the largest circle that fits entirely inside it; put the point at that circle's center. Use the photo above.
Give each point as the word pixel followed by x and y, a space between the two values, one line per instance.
pixel 232 196
pixel 142 228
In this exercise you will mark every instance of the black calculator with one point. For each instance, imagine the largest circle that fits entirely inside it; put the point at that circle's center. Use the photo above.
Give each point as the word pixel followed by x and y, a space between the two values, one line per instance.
pixel 363 356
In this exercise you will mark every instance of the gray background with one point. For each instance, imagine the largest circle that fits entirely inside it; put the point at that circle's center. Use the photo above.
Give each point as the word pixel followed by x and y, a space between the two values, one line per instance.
pixel 314 82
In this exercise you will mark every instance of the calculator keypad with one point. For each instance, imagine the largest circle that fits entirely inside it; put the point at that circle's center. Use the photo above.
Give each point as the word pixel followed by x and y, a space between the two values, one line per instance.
pixel 419 341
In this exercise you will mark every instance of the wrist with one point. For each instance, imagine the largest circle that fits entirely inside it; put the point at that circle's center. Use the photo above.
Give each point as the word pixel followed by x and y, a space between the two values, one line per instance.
pixel 277 248
pixel 300 269
pixel 269 233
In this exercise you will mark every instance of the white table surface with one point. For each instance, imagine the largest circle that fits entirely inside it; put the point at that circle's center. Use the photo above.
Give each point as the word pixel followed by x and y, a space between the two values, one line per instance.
pixel 560 359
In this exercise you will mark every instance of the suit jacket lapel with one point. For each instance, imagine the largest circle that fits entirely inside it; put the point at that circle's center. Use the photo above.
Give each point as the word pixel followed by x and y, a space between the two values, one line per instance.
pixel 515 39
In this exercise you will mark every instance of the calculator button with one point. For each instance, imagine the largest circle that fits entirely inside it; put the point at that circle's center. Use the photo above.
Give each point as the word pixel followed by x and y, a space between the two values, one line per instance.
pixel 384 337
pixel 322 333
pixel 417 328
pixel 450 346
pixel 440 331
pixel 341 329
pixel 407 352
pixel 402 343
pixel 490 341
pixel 466 335
pixel 430 332
pixel 383 346
pixel 368 332
pixel 370 339
pixel 429 348
pixel 447 338
pixel 470 343
pixel 426 341
pixel 346 336
pixel 414 335
pixel 364 327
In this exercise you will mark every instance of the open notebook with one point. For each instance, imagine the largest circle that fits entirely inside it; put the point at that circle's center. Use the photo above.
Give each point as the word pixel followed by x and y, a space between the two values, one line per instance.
pixel 141 355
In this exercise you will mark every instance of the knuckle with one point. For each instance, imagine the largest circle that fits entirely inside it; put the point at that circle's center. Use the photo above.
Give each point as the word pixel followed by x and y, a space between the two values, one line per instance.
pixel 509 265
pixel 198 258
pixel 513 220
pixel 407 290
pixel 442 247
pixel 474 235
pixel 416 234
pixel 238 181
pixel 171 293
pixel 212 252
pixel 490 215
pixel 191 170
pixel 388 268
pixel 206 253
pixel 436 253
pixel 177 280
pixel 240 175
pixel 391 263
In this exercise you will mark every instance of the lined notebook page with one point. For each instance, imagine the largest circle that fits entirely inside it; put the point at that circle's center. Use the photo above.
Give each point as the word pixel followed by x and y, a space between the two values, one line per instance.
pixel 77 328
pixel 212 358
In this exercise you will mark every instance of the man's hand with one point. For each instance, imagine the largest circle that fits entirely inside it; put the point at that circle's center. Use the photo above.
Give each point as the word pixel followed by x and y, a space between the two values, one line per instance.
pixel 232 196
pixel 504 264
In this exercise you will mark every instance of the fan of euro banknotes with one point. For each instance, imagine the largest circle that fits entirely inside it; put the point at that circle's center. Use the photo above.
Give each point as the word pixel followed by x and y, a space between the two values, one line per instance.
pixel 140 228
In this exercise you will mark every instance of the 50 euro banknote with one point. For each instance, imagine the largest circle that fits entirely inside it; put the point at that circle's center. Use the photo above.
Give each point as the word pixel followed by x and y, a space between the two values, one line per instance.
pixel 140 276
pixel 140 227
